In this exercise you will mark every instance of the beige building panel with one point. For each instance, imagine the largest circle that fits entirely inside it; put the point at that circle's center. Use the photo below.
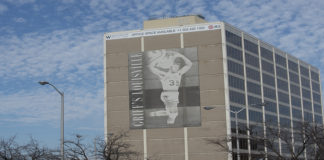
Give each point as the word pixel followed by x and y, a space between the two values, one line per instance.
pixel 162 42
pixel 208 129
pixel 171 22
pixel 118 103
pixel 117 60
pixel 136 145
pixel 212 97
pixel 215 114
pixel 209 156
pixel 169 157
pixel 165 146
pixel 201 145
pixel 117 89
pixel 123 45
pixel 210 52
pixel 117 74
pixel 211 82
pixel 135 135
pixel 161 133
pixel 211 67
pixel 193 39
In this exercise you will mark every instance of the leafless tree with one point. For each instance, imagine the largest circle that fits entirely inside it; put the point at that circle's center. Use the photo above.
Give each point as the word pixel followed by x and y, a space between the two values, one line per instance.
pixel 76 149
pixel 307 137
pixel 34 151
pixel 10 150
pixel 116 148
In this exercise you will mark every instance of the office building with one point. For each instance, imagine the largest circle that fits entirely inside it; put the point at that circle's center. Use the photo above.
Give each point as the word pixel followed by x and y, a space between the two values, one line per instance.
pixel 178 83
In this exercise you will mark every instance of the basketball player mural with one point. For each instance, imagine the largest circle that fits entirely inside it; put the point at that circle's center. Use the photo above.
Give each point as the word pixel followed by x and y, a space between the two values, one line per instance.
pixel 169 66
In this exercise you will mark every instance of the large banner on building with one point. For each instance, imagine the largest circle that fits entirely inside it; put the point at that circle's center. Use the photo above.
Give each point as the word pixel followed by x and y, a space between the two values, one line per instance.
pixel 164 88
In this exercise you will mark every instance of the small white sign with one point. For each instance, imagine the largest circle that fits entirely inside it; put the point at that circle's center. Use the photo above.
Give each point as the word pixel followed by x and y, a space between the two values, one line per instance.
pixel 163 31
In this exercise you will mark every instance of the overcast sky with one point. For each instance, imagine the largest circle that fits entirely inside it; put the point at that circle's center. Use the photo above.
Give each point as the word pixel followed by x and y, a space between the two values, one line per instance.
pixel 61 41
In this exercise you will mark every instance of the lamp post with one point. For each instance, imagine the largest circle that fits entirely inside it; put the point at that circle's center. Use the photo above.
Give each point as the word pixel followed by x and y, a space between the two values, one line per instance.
pixel 62 116
pixel 236 133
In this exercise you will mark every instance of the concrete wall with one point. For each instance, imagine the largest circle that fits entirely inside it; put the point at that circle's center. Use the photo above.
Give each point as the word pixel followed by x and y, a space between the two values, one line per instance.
pixel 170 143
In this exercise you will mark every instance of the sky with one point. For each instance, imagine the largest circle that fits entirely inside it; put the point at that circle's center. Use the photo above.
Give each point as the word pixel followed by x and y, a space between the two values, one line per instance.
pixel 61 41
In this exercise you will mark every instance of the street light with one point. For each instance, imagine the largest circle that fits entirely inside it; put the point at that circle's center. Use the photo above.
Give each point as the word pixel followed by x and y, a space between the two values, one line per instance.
pixel 62 116
pixel 236 133
pixel 236 126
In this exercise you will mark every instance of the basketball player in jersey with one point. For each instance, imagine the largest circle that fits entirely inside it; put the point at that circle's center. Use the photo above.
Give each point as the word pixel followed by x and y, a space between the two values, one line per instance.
pixel 170 79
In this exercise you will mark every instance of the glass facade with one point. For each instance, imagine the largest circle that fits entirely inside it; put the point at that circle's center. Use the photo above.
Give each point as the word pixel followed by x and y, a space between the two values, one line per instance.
pixel 289 88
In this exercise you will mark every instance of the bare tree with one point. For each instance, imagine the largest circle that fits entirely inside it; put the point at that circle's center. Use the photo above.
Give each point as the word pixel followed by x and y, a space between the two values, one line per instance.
pixel 10 150
pixel 34 151
pixel 116 148
pixel 306 137
pixel 76 149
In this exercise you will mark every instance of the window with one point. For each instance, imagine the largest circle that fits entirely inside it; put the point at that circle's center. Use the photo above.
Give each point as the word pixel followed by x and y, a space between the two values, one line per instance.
pixel 295 101
pixel 315 76
pixel 256 130
pixel 284 122
pixel 296 113
pixel 316 97
pixel 234 53
pixel 236 82
pixel 293 77
pixel 266 66
pixel 306 94
pixel 317 108
pixel 255 116
pixel 308 117
pixel 270 106
pixel 294 89
pixel 249 46
pixel 315 86
pixel 271 119
pixel 304 71
pixel 252 74
pixel 283 97
pixel 318 119
pixel 240 115
pixel 284 110
pixel 281 72
pixel 280 60
pixel 253 101
pixel 269 93
pixel 252 60
pixel 237 97
pixel 235 67
pixel 293 66
pixel 307 105
pixel 305 82
pixel 267 54
pixel 283 85
pixel 233 38
pixel 253 88
pixel 267 79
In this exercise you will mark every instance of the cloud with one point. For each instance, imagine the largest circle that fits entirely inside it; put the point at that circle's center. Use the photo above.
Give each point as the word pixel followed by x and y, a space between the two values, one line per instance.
pixel 20 20
pixel 43 105
pixel 3 8
pixel 20 2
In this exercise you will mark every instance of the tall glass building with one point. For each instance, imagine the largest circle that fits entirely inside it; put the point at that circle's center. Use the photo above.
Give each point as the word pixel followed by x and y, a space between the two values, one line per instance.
pixel 224 72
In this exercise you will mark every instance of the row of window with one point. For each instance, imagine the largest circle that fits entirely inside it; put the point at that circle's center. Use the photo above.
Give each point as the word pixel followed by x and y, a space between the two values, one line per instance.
pixel 267 54
pixel 233 38
pixel 292 66
pixel 234 53
pixel 250 46
pixel 280 60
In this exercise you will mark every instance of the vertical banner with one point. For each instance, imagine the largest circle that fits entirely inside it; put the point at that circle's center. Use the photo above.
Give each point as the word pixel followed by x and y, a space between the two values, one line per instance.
pixel 164 88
